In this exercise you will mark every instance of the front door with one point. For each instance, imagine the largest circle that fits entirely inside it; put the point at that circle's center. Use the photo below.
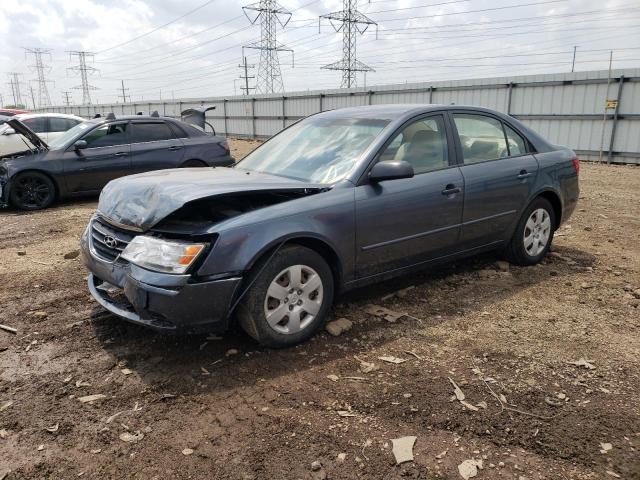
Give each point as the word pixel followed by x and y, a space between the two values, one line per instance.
pixel 404 222
pixel 499 172
pixel 106 157
pixel 153 146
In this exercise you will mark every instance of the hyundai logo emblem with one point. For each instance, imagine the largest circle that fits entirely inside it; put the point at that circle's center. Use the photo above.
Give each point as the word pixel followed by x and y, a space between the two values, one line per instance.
pixel 109 241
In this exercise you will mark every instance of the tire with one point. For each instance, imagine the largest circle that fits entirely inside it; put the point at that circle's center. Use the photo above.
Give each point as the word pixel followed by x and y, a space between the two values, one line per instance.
pixel 32 191
pixel 193 164
pixel 533 235
pixel 273 294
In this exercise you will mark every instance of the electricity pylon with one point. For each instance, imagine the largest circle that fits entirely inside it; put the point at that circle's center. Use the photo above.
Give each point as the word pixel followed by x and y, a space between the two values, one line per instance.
pixel 350 22
pixel 270 14
pixel 44 100
pixel 84 71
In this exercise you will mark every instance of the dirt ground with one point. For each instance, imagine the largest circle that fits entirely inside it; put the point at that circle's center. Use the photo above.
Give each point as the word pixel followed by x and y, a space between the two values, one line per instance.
pixel 198 407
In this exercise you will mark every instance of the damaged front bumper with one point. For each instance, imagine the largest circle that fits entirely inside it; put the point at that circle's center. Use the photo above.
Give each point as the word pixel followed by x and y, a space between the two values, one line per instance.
pixel 165 302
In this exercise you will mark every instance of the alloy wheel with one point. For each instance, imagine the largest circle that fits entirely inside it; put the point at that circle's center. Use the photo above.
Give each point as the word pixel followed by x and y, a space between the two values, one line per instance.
pixel 32 192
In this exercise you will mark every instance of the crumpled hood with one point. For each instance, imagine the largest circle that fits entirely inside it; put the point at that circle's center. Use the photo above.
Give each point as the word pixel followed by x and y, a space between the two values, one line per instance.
pixel 141 201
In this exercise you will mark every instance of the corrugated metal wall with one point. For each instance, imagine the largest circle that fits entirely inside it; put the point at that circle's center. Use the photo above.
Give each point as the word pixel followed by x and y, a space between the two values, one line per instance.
pixel 566 108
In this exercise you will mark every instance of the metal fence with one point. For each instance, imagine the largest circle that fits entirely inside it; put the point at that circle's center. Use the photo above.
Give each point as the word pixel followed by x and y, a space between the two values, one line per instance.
pixel 566 108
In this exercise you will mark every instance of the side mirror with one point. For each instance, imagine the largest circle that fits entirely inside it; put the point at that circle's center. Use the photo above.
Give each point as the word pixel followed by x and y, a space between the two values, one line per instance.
pixel 80 145
pixel 390 170
pixel 9 131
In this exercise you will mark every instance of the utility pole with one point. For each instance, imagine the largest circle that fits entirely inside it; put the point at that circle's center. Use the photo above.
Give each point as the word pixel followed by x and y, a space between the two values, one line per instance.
pixel 67 100
pixel 44 100
pixel 573 62
pixel 33 97
pixel 14 83
pixel 350 22
pixel 246 76
pixel 270 14
pixel 84 71
pixel 124 95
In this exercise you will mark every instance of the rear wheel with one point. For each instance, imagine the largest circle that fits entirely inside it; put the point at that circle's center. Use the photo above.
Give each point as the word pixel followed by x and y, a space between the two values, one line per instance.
pixel 32 191
pixel 289 299
pixel 533 236
pixel 193 164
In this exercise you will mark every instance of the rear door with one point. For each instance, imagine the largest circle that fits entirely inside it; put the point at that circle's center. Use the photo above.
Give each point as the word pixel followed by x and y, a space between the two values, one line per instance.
pixel 154 146
pixel 407 221
pixel 499 173
pixel 105 158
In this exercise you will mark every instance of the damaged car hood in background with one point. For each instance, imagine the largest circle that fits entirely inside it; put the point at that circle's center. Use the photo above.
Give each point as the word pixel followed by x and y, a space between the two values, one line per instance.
pixel 141 201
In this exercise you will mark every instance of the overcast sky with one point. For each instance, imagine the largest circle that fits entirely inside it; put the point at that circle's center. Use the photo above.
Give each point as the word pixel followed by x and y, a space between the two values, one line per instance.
pixel 198 52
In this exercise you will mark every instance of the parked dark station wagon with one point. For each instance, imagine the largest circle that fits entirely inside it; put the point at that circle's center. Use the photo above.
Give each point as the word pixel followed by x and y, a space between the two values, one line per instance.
pixel 85 158
pixel 336 201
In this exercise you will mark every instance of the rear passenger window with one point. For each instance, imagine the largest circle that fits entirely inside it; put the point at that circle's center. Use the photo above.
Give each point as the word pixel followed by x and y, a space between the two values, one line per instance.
pixel 61 124
pixel 516 143
pixel 482 138
pixel 177 131
pixel 150 132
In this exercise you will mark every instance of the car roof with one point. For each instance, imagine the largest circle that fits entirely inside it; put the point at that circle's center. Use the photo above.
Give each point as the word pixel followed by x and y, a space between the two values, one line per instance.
pixel 119 118
pixel 25 116
pixel 397 111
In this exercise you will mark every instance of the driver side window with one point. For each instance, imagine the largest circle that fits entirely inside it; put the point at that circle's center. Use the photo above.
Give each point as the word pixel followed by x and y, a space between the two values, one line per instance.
pixel 422 143
pixel 107 135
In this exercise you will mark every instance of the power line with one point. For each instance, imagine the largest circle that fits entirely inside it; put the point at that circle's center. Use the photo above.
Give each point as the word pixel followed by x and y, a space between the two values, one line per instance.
pixel 351 23
pixel 157 28
pixel 44 100
pixel 84 70
pixel 271 14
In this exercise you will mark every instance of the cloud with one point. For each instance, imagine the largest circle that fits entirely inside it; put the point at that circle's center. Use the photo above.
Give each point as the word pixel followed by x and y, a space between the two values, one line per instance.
pixel 199 55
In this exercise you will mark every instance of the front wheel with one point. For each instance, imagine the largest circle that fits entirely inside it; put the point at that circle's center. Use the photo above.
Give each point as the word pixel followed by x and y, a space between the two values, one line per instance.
pixel 533 236
pixel 290 297
pixel 32 191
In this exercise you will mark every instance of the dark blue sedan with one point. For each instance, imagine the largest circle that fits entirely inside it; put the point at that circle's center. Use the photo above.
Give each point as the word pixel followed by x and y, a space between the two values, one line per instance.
pixel 339 200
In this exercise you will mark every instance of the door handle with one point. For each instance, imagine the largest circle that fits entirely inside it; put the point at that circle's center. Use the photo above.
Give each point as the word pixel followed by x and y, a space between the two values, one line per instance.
pixel 120 154
pixel 523 174
pixel 174 148
pixel 450 189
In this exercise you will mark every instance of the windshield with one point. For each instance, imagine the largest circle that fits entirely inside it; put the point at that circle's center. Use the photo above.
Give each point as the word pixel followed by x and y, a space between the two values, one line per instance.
pixel 318 150
pixel 67 137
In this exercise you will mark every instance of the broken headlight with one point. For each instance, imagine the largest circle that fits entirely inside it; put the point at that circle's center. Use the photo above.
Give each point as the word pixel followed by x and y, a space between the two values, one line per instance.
pixel 170 256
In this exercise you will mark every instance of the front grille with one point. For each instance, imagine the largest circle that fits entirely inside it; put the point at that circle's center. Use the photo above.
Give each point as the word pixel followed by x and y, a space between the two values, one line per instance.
pixel 108 241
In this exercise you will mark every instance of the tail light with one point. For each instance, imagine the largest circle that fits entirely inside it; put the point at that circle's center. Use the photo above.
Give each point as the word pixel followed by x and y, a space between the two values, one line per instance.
pixel 225 145
pixel 576 163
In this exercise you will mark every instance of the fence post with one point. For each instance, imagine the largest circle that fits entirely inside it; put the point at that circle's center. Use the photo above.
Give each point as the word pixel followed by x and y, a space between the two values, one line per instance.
pixel 369 95
pixel 284 115
pixel 320 97
pixel 253 117
pixel 431 94
pixel 615 120
pixel 224 114
pixel 509 98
